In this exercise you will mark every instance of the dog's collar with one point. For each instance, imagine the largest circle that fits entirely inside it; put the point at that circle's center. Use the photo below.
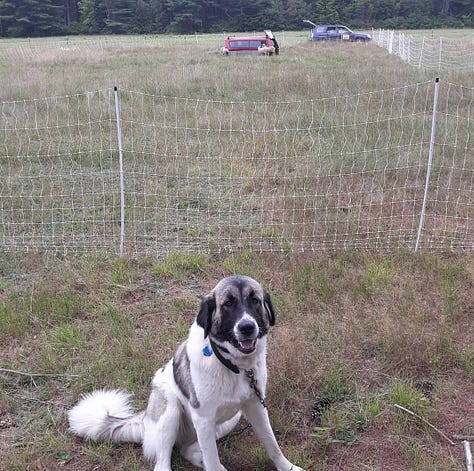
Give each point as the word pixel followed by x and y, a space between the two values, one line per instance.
pixel 217 350
pixel 207 351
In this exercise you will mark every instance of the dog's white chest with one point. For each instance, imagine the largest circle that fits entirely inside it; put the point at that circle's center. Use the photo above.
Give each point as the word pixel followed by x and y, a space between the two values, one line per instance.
pixel 231 398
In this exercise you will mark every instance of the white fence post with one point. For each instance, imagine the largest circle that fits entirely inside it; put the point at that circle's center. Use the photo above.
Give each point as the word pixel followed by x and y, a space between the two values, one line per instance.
pixel 430 161
pixel 440 52
pixel 408 51
pixel 467 455
pixel 421 52
pixel 122 192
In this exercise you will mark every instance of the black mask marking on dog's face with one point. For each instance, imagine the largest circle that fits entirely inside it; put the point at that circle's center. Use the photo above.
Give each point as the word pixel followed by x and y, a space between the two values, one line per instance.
pixel 237 311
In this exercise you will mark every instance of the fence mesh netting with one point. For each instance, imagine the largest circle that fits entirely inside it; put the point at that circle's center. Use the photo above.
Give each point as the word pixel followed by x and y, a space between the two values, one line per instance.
pixel 212 176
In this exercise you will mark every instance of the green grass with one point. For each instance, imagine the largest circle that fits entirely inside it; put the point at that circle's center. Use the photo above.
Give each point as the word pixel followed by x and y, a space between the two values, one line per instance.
pixel 406 395
pixel 178 265
pixel 399 340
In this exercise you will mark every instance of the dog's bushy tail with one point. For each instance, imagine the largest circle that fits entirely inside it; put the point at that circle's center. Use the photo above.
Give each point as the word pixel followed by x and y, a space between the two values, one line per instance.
pixel 106 414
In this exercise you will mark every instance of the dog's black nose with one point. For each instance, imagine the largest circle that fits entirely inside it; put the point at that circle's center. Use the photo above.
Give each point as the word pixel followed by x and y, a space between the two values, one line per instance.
pixel 247 328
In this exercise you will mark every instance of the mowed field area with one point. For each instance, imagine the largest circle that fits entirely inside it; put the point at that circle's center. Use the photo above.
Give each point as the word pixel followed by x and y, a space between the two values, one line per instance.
pixel 357 332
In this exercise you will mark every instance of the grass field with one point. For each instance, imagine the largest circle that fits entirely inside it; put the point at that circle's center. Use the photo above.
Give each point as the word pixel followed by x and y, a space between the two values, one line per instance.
pixel 244 139
pixel 196 69
pixel 356 332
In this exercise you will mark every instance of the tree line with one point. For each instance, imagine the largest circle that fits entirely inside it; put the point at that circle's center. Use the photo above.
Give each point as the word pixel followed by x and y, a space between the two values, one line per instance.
pixel 33 18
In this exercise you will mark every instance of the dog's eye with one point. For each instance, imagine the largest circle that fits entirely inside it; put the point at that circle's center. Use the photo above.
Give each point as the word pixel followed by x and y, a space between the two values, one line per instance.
pixel 229 302
pixel 255 301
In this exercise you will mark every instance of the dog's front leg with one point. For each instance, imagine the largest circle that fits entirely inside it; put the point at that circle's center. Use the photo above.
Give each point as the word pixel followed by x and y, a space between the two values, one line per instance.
pixel 257 415
pixel 206 435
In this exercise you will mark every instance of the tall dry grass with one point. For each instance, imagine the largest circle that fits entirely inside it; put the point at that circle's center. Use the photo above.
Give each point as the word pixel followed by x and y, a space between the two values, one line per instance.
pixel 303 71
pixel 326 129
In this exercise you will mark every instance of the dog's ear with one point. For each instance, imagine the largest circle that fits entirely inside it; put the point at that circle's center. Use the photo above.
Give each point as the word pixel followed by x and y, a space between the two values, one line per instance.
pixel 206 311
pixel 267 302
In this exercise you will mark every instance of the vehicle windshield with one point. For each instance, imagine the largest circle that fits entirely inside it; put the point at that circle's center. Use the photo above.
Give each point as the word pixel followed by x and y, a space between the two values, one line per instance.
pixel 246 43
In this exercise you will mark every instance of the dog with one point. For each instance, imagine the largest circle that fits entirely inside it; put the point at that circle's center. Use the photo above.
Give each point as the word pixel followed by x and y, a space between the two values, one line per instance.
pixel 216 375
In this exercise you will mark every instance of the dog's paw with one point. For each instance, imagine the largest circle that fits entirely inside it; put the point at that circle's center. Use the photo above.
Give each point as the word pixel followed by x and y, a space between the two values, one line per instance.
pixel 193 454
pixel 285 465
pixel 293 467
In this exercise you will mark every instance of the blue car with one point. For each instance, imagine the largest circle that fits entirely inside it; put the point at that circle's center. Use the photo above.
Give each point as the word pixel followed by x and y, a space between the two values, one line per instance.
pixel 336 33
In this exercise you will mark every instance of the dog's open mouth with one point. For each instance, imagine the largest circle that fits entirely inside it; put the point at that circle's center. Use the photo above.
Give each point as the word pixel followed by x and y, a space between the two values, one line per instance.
pixel 247 346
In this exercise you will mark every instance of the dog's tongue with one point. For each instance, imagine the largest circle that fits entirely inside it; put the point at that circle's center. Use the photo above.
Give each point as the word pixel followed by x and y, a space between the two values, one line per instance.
pixel 247 344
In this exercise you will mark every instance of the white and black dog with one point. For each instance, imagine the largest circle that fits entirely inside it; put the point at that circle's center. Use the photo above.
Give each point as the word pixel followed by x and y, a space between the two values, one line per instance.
pixel 217 374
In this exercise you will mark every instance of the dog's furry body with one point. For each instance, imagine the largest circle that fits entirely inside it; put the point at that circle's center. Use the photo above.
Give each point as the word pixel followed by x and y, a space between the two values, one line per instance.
pixel 199 395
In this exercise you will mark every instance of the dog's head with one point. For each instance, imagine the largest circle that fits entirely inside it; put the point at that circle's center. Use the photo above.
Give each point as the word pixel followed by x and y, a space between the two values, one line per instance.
pixel 236 313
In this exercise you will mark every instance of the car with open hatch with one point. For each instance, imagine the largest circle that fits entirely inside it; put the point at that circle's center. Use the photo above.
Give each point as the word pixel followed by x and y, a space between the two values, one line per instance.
pixel 265 45
pixel 336 33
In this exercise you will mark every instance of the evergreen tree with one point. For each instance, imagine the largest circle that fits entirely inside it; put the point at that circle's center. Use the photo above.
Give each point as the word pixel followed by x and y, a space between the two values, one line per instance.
pixel 461 8
pixel 361 12
pixel 293 14
pixel 7 17
pixel 93 14
pixel 120 15
pixel 87 14
pixel 33 18
pixel 258 14
pixel 71 11
pixel 326 11
pixel 51 17
pixel 212 14
pixel 185 16
pixel 144 20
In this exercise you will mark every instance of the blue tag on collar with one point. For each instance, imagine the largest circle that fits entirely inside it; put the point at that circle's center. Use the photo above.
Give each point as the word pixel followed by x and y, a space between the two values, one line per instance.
pixel 207 351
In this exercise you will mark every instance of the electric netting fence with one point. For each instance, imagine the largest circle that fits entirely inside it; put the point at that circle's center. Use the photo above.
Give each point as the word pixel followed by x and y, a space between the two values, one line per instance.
pixel 435 53
pixel 128 172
